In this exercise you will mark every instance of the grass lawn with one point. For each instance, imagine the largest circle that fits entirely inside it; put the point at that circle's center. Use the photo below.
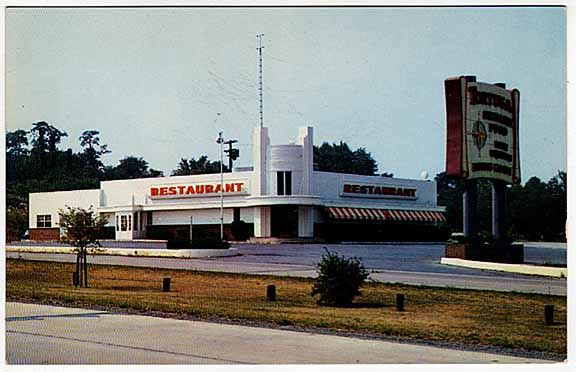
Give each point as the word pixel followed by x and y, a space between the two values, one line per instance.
pixel 468 316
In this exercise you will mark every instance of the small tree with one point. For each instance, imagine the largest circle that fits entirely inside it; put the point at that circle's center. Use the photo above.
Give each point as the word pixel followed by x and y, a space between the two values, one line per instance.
pixel 81 229
pixel 339 279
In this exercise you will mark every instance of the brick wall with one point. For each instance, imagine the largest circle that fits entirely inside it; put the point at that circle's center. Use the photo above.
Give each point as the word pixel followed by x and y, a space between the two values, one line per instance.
pixel 45 234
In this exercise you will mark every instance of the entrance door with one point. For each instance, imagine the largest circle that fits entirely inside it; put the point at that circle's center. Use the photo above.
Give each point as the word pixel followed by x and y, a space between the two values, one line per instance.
pixel 284 222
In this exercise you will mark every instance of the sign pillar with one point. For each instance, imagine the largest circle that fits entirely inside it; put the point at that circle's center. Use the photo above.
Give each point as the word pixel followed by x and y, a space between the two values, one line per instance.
pixel 469 205
pixel 498 209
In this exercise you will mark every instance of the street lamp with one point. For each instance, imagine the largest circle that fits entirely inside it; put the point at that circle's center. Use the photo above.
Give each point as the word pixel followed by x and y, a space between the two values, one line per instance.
pixel 220 141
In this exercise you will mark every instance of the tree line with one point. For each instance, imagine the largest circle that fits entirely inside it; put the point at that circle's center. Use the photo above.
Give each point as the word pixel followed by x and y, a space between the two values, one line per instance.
pixel 36 163
pixel 536 210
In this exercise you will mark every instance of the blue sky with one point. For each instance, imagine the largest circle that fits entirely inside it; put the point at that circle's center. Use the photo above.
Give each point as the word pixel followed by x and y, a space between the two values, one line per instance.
pixel 153 80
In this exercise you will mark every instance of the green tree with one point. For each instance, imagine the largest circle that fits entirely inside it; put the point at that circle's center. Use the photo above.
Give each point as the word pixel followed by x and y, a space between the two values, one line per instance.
pixel 92 153
pixel 16 143
pixel 131 167
pixel 81 229
pixel 16 154
pixel 16 223
pixel 339 158
pixel 201 166
pixel 46 137
pixel 449 193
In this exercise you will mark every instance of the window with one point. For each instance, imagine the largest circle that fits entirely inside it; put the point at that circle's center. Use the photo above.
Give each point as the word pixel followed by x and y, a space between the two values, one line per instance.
pixel 43 220
pixel 148 218
pixel 123 223
pixel 117 223
pixel 130 222
pixel 284 183
pixel 135 221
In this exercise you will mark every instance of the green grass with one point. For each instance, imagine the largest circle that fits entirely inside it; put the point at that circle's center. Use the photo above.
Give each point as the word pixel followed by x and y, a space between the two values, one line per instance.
pixel 467 316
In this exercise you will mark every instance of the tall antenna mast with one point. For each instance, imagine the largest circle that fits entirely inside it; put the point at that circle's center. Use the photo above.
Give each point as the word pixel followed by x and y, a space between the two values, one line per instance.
pixel 260 47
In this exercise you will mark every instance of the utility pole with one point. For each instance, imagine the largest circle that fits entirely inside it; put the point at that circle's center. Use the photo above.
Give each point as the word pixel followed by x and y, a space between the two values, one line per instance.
pixel 220 141
pixel 233 154
pixel 260 47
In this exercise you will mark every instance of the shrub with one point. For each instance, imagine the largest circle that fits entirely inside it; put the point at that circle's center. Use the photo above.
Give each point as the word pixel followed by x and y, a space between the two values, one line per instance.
pixel 339 279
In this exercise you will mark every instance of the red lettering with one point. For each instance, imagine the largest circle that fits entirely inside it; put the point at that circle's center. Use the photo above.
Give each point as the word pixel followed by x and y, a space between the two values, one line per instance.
pixel 238 186
pixel 363 190
pixel 347 188
pixel 356 189
pixel 163 191
pixel 229 187
pixel 172 190
pixel 181 189
pixel 199 189
pixel 218 188
pixel 153 191
pixel 190 190
pixel 377 190
pixel 209 189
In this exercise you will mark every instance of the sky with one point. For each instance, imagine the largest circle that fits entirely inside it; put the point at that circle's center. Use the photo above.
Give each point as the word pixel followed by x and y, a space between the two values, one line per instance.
pixel 160 83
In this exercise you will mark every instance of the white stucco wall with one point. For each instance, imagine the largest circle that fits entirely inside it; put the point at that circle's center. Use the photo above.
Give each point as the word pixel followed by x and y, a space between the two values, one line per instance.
pixel 329 186
pixel 50 202
pixel 200 217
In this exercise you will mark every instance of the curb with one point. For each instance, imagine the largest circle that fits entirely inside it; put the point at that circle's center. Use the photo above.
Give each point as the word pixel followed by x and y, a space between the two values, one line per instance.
pixel 558 272
pixel 134 252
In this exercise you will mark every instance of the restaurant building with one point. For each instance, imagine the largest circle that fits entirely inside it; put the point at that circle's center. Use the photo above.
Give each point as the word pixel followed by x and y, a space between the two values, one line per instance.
pixel 280 196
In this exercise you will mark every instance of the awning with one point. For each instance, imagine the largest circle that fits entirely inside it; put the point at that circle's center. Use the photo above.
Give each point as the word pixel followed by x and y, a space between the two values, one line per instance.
pixel 372 214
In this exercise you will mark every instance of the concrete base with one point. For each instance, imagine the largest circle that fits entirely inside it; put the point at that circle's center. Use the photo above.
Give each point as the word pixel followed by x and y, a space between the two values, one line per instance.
pixel 271 240
pixel 173 253
pixel 511 268
pixel 497 252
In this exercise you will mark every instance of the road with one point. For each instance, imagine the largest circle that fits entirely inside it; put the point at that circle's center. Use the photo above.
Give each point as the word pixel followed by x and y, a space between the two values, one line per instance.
pixel 416 264
pixel 47 335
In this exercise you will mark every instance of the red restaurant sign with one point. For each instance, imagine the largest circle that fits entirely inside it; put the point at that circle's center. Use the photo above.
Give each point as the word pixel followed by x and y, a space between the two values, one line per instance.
pixel 201 189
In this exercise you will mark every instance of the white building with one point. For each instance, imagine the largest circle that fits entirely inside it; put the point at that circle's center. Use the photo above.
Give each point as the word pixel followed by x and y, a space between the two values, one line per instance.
pixel 280 196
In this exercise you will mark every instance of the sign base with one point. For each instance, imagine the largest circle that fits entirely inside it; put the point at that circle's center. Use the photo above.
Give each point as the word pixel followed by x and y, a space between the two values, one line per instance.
pixel 500 252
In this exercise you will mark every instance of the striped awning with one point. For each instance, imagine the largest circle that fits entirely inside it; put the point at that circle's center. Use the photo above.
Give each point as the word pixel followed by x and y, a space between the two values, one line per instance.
pixel 372 214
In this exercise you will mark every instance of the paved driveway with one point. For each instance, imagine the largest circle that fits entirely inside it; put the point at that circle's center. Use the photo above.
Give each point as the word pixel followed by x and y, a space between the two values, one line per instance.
pixel 393 256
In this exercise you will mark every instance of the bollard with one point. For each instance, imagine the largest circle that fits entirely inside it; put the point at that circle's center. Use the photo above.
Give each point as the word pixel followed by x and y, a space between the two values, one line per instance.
pixel 400 302
pixel 271 293
pixel 166 285
pixel 549 314
pixel 75 279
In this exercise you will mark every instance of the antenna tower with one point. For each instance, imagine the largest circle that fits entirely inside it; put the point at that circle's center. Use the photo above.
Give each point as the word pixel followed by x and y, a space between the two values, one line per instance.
pixel 260 47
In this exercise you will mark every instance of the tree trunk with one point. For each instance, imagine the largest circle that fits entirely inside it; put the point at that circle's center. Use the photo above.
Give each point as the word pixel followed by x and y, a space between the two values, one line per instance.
pixel 78 270
pixel 85 270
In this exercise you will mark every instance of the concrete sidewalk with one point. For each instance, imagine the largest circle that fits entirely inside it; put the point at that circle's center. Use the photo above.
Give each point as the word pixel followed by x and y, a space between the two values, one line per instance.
pixel 39 334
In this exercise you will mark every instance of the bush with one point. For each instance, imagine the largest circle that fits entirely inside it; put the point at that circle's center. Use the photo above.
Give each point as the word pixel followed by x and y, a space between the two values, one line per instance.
pixel 339 279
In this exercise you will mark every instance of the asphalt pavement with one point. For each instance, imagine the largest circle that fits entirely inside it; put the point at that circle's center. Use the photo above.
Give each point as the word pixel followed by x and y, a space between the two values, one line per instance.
pixel 49 335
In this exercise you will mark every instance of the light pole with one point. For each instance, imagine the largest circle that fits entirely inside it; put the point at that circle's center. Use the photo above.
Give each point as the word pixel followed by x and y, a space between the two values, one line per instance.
pixel 220 141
